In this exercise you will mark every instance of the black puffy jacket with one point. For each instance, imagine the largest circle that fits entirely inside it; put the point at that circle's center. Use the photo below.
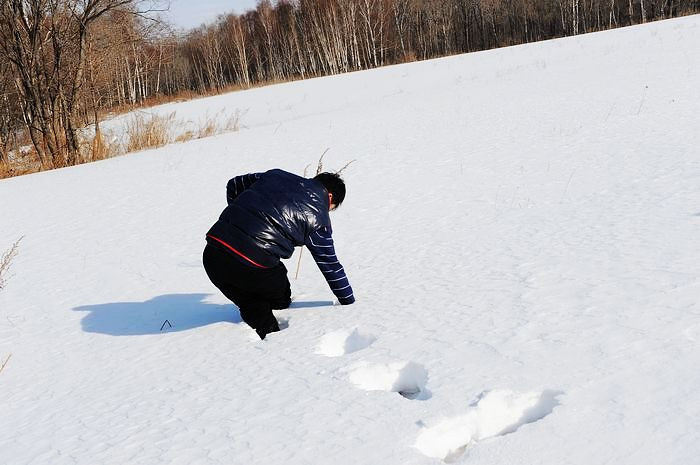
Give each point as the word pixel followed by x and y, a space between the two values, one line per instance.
pixel 276 213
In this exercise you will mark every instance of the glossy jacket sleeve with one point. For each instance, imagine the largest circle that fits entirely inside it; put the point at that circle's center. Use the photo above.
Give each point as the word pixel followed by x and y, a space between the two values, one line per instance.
pixel 238 184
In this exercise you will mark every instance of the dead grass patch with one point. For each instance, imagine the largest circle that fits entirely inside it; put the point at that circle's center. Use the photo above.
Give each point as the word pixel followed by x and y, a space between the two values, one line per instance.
pixel 148 133
pixel 100 146
pixel 185 136
pixel 141 131
pixel 207 128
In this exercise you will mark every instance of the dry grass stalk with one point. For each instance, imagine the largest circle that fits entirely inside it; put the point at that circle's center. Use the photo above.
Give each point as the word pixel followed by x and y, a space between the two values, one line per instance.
pixel 6 261
pixel 319 168
pixel 5 363
pixel 346 165
pixel 233 123
pixel 100 148
pixel 98 145
pixel 301 251
pixel 207 127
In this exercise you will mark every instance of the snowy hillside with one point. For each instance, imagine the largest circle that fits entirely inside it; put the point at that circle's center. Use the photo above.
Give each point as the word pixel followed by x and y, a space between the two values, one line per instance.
pixel 521 232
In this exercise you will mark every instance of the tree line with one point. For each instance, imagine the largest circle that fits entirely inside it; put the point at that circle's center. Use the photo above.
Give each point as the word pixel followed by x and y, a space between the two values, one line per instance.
pixel 63 63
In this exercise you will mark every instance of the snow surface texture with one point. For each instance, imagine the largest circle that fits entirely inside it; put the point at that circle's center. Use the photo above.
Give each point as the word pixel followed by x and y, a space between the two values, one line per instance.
pixel 520 228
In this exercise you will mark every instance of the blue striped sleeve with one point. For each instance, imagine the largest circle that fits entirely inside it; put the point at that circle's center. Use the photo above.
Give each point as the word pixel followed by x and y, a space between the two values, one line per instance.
pixel 320 244
pixel 238 184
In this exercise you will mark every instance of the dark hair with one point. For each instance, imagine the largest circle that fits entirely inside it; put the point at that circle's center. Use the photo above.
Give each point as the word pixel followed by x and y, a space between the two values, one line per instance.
pixel 334 185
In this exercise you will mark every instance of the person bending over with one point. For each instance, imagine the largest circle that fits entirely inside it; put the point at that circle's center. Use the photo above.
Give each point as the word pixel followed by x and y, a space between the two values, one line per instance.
pixel 268 214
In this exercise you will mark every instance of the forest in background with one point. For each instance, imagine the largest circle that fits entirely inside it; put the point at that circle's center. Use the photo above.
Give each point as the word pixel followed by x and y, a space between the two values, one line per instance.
pixel 65 65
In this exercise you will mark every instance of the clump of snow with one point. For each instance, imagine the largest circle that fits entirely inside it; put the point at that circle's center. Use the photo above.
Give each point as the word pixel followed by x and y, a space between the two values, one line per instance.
pixel 496 413
pixel 406 378
pixel 342 342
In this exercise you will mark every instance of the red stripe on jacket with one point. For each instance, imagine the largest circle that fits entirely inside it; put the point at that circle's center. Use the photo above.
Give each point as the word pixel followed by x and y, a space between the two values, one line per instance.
pixel 235 251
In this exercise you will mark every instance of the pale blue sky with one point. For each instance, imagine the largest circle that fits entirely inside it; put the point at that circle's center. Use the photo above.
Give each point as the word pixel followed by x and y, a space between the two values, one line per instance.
pixel 188 14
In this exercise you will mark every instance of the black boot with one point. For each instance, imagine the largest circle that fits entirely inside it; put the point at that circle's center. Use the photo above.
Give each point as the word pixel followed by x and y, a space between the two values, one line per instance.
pixel 264 331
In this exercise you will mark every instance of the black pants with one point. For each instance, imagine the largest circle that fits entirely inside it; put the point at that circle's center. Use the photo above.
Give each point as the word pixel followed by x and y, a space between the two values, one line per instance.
pixel 256 291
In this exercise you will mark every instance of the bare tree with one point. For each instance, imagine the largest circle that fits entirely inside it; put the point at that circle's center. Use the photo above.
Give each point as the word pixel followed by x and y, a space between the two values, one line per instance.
pixel 8 116
pixel 46 42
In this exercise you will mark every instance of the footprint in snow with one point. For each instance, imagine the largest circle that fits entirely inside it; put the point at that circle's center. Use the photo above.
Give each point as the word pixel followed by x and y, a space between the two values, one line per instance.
pixel 495 413
pixel 343 342
pixel 406 378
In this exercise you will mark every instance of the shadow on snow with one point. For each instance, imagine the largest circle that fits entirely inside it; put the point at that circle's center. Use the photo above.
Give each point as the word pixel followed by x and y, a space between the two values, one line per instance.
pixel 182 311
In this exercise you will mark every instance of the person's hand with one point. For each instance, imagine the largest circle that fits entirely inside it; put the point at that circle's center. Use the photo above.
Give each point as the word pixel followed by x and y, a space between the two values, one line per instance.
pixel 347 301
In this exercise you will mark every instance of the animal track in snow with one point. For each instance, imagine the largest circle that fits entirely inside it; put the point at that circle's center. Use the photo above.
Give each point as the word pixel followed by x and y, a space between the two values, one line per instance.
pixel 495 413
pixel 343 342
pixel 406 378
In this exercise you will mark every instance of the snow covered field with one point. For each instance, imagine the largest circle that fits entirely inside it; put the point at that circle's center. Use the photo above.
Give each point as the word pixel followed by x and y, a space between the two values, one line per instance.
pixel 521 232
